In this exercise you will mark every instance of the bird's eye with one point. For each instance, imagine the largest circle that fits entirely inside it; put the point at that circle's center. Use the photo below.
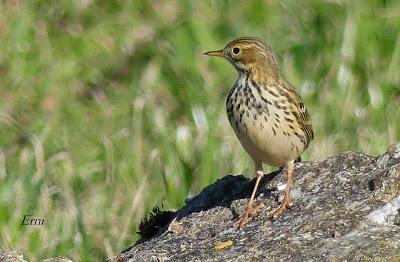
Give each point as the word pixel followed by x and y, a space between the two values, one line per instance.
pixel 236 50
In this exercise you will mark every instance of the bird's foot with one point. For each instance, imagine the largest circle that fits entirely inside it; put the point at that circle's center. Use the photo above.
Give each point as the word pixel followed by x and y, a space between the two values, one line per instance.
pixel 286 203
pixel 248 215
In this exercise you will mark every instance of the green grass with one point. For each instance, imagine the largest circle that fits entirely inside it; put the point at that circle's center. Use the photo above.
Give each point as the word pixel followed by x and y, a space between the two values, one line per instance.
pixel 108 108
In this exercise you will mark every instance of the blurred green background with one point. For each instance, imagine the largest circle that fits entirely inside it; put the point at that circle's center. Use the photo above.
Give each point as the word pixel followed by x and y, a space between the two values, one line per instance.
pixel 108 108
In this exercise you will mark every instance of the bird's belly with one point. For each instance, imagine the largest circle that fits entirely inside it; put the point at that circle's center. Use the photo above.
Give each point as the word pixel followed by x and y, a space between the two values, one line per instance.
pixel 266 142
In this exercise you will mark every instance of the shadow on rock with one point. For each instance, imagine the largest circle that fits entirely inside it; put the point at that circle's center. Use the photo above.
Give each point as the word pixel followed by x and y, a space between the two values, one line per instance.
pixel 221 193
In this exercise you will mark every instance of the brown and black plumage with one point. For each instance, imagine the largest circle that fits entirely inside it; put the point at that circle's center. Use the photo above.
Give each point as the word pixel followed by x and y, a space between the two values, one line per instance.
pixel 266 112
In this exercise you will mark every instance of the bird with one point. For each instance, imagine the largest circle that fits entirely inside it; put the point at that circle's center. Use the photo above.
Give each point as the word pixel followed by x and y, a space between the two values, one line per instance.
pixel 267 115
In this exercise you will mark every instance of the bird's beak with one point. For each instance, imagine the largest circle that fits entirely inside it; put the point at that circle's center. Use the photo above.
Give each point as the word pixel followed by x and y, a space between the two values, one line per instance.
pixel 219 53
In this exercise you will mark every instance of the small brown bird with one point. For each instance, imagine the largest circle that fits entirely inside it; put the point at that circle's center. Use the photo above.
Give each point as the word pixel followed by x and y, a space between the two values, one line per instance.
pixel 266 113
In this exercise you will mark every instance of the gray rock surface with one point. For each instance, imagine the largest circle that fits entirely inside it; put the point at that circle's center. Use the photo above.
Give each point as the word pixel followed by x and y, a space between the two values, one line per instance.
pixel 345 208
pixel 15 256
pixel 11 256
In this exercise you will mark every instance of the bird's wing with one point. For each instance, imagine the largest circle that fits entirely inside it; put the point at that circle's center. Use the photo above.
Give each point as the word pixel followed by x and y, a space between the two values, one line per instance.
pixel 302 116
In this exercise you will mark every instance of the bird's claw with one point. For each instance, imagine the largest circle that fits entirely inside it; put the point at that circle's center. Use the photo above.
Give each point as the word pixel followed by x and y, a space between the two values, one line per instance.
pixel 286 203
pixel 248 215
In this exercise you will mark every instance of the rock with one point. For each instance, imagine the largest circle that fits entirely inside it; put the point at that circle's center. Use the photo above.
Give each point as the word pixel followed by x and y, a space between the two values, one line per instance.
pixel 345 208
pixel 14 256
pixel 11 256
pixel 57 259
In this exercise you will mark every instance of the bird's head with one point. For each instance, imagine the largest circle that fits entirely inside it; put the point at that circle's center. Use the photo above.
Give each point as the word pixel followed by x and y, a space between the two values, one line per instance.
pixel 247 54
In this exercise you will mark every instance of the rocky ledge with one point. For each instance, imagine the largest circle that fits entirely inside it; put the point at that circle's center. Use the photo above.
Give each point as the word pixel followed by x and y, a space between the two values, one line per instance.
pixel 345 208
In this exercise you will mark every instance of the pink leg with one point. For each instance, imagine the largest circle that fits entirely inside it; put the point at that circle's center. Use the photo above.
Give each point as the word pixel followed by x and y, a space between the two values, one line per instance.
pixel 251 210
pixel 286 202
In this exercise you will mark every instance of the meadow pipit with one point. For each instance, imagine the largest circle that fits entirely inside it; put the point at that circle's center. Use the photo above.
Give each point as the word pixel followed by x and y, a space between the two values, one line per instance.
pixel 266 113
